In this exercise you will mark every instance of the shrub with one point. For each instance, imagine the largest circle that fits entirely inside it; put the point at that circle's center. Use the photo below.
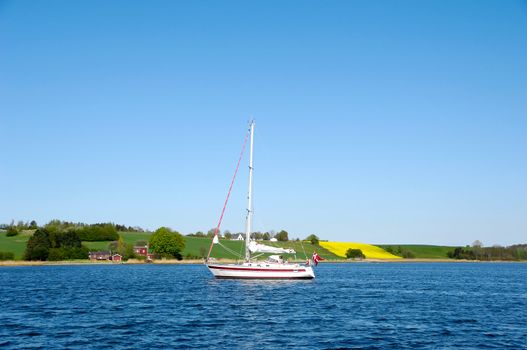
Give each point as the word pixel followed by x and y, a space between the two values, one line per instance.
pixel 354 253
pixel 407 254
pixel 11 231
pixel 7 256
pixel 313 239
pixel 68 253
pixel 98 232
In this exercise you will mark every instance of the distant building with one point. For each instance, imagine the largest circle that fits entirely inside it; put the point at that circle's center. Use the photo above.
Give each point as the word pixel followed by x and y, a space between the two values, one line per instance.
pixel 141 250
pixel 117 258
pixel 100 255
pixel 273 240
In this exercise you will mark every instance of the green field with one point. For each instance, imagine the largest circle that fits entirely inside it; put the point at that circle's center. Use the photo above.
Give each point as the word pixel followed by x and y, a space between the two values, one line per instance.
pixel 194 246
pixel 197 247
pixel 15 244
pixel 423 251
pixel 128 237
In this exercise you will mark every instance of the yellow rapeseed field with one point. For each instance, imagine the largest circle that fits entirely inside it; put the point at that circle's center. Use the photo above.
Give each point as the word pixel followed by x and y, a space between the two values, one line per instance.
pixel 370 251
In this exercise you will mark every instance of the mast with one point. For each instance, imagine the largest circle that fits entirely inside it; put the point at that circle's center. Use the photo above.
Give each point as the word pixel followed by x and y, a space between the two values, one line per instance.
pixel 248 223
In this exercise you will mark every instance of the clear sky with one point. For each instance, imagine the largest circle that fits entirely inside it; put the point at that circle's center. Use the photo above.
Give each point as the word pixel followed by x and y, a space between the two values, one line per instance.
pixel 376 121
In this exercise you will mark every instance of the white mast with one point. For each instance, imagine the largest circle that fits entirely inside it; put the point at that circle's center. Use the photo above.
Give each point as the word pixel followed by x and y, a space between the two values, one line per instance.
pixel 248 223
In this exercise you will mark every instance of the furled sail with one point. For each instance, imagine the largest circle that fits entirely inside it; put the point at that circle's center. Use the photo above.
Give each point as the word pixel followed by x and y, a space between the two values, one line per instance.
pixel 261 248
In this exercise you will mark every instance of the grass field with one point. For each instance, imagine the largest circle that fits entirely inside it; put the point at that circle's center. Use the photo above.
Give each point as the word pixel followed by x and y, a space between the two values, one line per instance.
pixel 195 246
pixel 370 251
pixel 198 247
pixel 15 244
pixel 423 251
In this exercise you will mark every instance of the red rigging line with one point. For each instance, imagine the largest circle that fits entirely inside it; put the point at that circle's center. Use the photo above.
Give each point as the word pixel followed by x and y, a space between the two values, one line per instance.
pixel 229 193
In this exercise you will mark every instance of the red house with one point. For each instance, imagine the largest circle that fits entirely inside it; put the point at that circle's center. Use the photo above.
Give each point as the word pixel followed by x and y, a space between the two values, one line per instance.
pixel 101 255
pixel 117 258
pixel 141 250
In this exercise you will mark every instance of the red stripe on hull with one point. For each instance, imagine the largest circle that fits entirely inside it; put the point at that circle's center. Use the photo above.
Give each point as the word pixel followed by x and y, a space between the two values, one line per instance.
pixel 254 269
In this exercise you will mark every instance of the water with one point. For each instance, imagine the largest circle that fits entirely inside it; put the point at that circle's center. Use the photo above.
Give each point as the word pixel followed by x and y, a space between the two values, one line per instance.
pixel 372 306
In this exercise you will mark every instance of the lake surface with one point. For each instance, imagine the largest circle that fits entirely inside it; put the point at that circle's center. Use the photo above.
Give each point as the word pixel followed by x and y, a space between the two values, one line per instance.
pixel 363 305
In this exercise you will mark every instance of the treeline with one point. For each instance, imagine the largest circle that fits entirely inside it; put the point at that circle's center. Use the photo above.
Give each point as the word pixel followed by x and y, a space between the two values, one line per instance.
pixel 513 252
pixel 90 233
pixel 87 232
pixel 400 251
pixel 50 244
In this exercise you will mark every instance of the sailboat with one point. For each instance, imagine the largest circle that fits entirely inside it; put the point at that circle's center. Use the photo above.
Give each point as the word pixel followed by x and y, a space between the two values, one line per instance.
pixel 274 267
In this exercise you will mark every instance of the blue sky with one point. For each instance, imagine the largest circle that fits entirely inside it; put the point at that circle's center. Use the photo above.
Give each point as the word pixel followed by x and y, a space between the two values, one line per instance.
pixel 377 121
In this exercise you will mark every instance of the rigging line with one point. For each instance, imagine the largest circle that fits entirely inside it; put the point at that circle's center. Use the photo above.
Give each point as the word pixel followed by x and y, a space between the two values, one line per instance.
pixel 228 193
pixel 230 250
pixel 302 244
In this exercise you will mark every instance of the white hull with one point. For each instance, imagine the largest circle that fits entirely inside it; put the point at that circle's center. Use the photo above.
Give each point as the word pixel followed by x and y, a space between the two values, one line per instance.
pixel 261 271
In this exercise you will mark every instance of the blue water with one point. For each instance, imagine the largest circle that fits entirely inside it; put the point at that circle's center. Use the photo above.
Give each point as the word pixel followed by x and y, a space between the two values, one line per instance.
pixel 368 305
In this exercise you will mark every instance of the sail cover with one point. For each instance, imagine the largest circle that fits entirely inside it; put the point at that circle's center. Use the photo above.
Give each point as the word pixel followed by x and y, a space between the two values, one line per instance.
pixel 261 248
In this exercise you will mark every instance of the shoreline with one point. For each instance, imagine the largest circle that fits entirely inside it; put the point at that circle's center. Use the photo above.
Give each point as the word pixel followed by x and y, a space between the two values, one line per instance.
pixel 7 263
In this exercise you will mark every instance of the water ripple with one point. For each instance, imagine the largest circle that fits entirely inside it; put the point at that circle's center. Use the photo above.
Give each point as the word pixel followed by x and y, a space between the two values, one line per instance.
pixel 348 306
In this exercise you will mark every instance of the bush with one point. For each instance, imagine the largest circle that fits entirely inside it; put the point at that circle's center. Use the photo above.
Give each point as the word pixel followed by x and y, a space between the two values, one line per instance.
pixel 68 253
pixel 313 239
pixel 407 254
pixel 7 256
pixel 354 253
pixel 282 236
pixel 98 232
pixel 11 231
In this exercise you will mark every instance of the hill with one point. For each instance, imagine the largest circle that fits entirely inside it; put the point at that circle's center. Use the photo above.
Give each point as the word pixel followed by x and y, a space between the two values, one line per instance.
pixel 15 244
pixel 421 251
pixel 198 247
pixel 370 251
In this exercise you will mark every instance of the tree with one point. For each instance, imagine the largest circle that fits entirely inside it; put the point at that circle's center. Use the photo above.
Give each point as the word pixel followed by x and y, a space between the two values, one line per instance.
pixel 282 236
pixel 167 243
pixel 266 236
pixel 227 234
pixel 313 239
pixel 38 246
pixel 33 225
pixel 355 253
pixel 121 246
pixel 210 233
pixel 477 244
